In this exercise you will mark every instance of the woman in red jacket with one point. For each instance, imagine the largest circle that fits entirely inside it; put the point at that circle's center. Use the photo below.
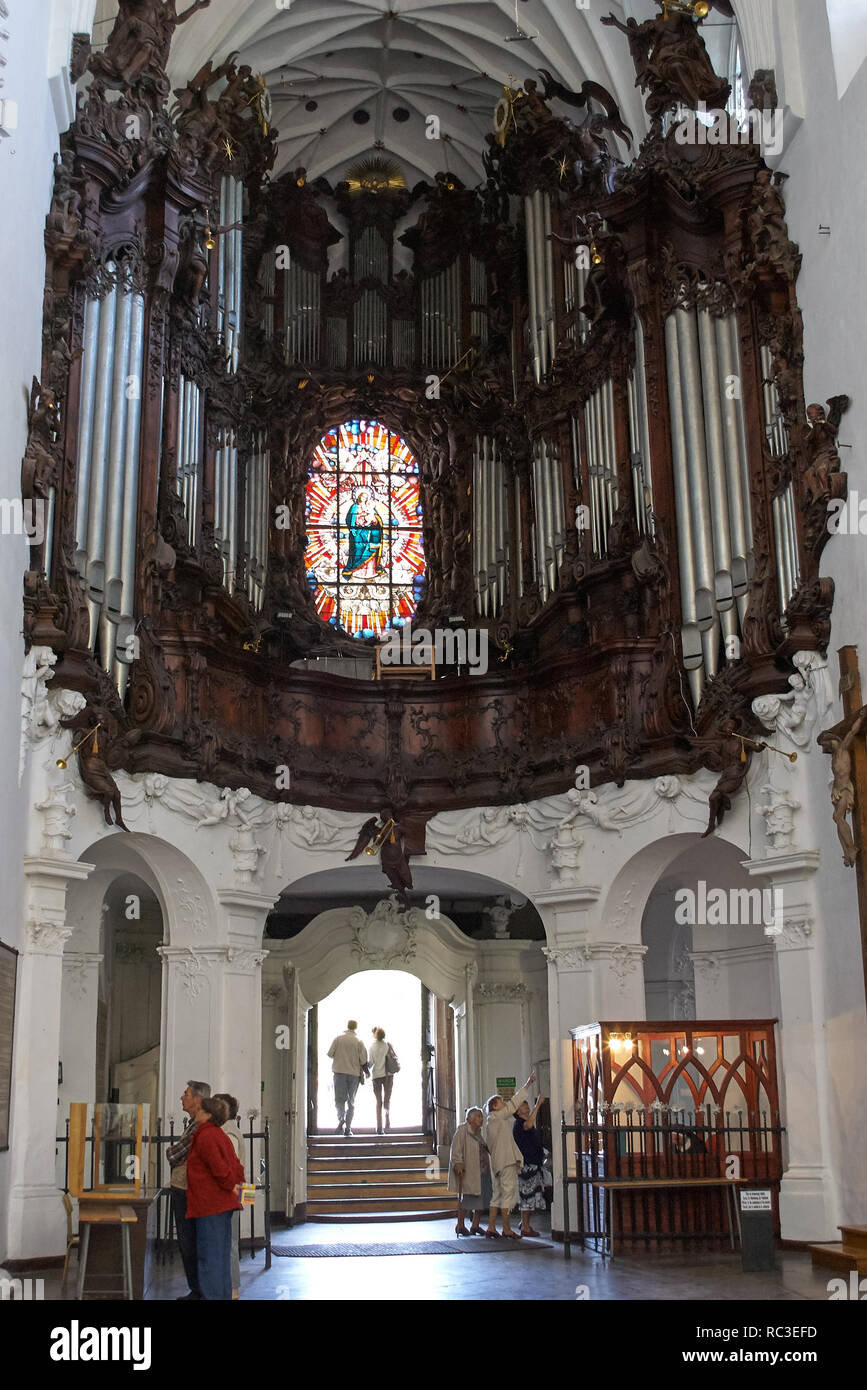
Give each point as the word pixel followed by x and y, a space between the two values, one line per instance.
pixel 214 1176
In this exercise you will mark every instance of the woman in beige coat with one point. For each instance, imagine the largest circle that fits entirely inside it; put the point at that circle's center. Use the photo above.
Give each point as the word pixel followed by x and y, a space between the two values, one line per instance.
pixel 470 1171
pixel 506 1159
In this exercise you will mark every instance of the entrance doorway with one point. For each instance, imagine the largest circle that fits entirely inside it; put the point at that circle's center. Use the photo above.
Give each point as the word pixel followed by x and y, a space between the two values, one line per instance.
pixel 388 999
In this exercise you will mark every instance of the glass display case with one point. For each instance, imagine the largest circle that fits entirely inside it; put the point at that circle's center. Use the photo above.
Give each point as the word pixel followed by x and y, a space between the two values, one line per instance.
pixel 118 1140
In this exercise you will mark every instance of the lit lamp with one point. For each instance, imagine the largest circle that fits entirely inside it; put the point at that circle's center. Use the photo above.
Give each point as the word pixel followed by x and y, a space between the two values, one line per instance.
pixel 62 763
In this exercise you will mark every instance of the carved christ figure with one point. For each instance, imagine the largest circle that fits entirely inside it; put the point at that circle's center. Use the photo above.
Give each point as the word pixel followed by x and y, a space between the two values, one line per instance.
pixel 843 788
pixel 389 838
pixel 140 42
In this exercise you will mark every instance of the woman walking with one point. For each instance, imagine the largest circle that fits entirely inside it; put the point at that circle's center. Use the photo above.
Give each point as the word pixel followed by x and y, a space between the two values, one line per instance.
pixel 379 1054
pixel 531 1183
pixel 470 1171
pixel 214 1178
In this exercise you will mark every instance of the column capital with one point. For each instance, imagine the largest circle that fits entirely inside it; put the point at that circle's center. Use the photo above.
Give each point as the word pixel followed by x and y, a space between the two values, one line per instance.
pixel 788 867
pixel 46 935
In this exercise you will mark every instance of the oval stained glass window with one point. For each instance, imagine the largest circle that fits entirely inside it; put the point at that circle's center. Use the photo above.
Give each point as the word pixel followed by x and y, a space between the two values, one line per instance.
pixel 365 553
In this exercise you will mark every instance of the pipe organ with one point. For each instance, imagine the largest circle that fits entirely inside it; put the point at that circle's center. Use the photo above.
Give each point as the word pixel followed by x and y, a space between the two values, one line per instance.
pixel 612 474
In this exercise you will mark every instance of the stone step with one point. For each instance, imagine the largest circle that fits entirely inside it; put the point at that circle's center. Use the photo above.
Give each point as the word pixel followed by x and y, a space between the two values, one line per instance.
pixel 402 1191
pixel 854 1239
pixel 350 1148
pixel 361 1205
pixel 354 1218
pixel 837 1257
pixel 365 1163
pixel 365 1176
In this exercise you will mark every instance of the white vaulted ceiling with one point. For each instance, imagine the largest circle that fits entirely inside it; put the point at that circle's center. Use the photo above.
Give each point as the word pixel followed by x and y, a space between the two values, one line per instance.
pixel 425 57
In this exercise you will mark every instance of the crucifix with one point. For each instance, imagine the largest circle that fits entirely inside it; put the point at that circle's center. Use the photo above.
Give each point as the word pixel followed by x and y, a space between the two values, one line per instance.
pixel 848 749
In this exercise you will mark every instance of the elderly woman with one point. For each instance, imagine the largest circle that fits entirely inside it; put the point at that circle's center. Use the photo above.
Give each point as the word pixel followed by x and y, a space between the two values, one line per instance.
pixel 531 1184
pixel 214 1178
pixel 470 1171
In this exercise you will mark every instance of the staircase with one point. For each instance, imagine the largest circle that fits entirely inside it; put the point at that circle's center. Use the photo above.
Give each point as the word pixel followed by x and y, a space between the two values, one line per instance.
pixel 376 1177
pixel 846 1254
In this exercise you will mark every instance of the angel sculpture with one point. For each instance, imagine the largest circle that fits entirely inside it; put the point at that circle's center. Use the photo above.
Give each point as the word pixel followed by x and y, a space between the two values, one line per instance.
pixel 389 838
pixel 137 52
pixel 95 762
pixel 671 61
pixel 729 755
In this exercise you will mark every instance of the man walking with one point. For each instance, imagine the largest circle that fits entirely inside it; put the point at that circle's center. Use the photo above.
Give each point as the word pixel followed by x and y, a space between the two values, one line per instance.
pixel 349 1059
pixel 191 1100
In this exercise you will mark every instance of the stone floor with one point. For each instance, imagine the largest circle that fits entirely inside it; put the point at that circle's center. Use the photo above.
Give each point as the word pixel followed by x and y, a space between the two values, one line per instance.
pixel 519 1275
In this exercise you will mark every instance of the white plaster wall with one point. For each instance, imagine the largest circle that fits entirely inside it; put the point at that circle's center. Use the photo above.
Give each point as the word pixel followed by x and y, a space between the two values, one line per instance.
pixel 39 39
pixel 827 185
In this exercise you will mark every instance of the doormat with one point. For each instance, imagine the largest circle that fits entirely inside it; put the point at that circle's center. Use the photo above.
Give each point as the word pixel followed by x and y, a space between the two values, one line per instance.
pixel 417 1247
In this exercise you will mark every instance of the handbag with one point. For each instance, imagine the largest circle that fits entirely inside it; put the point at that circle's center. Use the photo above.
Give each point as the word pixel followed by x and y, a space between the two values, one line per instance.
pixel 392 1065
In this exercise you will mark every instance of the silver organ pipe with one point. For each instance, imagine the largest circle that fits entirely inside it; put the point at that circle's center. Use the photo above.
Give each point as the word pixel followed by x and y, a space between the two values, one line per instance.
pixel 690 636
pixel 785 524
pixel 301 311
pixel 530 236
pixel 519 549
pixel 230 268
pixel 713 395
pixel 92 312
pixel 639 436
pixel 108 460
pixel 256 520
pixel 478 299
pixel 96 497
pixel 711 482
pixel 548 262
pixel 736 459
pixel 601 464
pixel 490 523
pixel 269 286
pixel 189 434
pixel 336 339
pixel 699 499
pixel 540 530
pixel 126 585
pixel 226 499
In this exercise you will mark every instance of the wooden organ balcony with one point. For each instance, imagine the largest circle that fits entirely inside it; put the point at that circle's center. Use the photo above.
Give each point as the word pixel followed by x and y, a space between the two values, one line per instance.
pixel 600 380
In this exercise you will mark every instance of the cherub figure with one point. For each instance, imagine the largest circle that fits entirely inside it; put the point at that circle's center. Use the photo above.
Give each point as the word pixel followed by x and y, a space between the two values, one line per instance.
pixel 229 804
pixel 389 838
pixel 729 754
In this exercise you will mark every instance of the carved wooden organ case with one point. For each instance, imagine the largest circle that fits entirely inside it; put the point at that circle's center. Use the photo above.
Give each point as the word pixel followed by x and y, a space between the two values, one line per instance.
pixel 597 366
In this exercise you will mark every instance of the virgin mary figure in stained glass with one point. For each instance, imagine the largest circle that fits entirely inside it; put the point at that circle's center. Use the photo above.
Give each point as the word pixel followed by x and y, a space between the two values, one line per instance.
pixel 366 528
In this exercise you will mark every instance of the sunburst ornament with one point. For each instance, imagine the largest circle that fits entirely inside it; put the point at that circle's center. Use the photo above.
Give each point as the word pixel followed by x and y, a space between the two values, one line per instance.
pixel 228 149
pixel 504 112
pixel 375 176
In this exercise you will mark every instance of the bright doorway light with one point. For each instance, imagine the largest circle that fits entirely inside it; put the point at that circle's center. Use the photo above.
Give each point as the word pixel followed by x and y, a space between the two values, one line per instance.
pixel 388 999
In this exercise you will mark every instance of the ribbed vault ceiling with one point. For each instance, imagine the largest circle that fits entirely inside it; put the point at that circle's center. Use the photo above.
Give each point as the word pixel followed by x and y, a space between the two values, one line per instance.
pixel 359 61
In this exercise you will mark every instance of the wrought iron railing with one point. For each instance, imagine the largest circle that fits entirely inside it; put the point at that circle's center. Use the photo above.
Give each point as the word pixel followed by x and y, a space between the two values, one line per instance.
pixel 666 1164
pixel 116 1152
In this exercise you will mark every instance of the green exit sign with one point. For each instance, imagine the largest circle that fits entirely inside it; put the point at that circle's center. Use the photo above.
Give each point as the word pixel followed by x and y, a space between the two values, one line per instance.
pixel 506 1082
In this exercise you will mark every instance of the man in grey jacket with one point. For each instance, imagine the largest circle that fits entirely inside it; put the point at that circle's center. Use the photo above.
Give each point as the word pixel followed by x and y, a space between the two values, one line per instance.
pixel 506 1158
pixel 349 1060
